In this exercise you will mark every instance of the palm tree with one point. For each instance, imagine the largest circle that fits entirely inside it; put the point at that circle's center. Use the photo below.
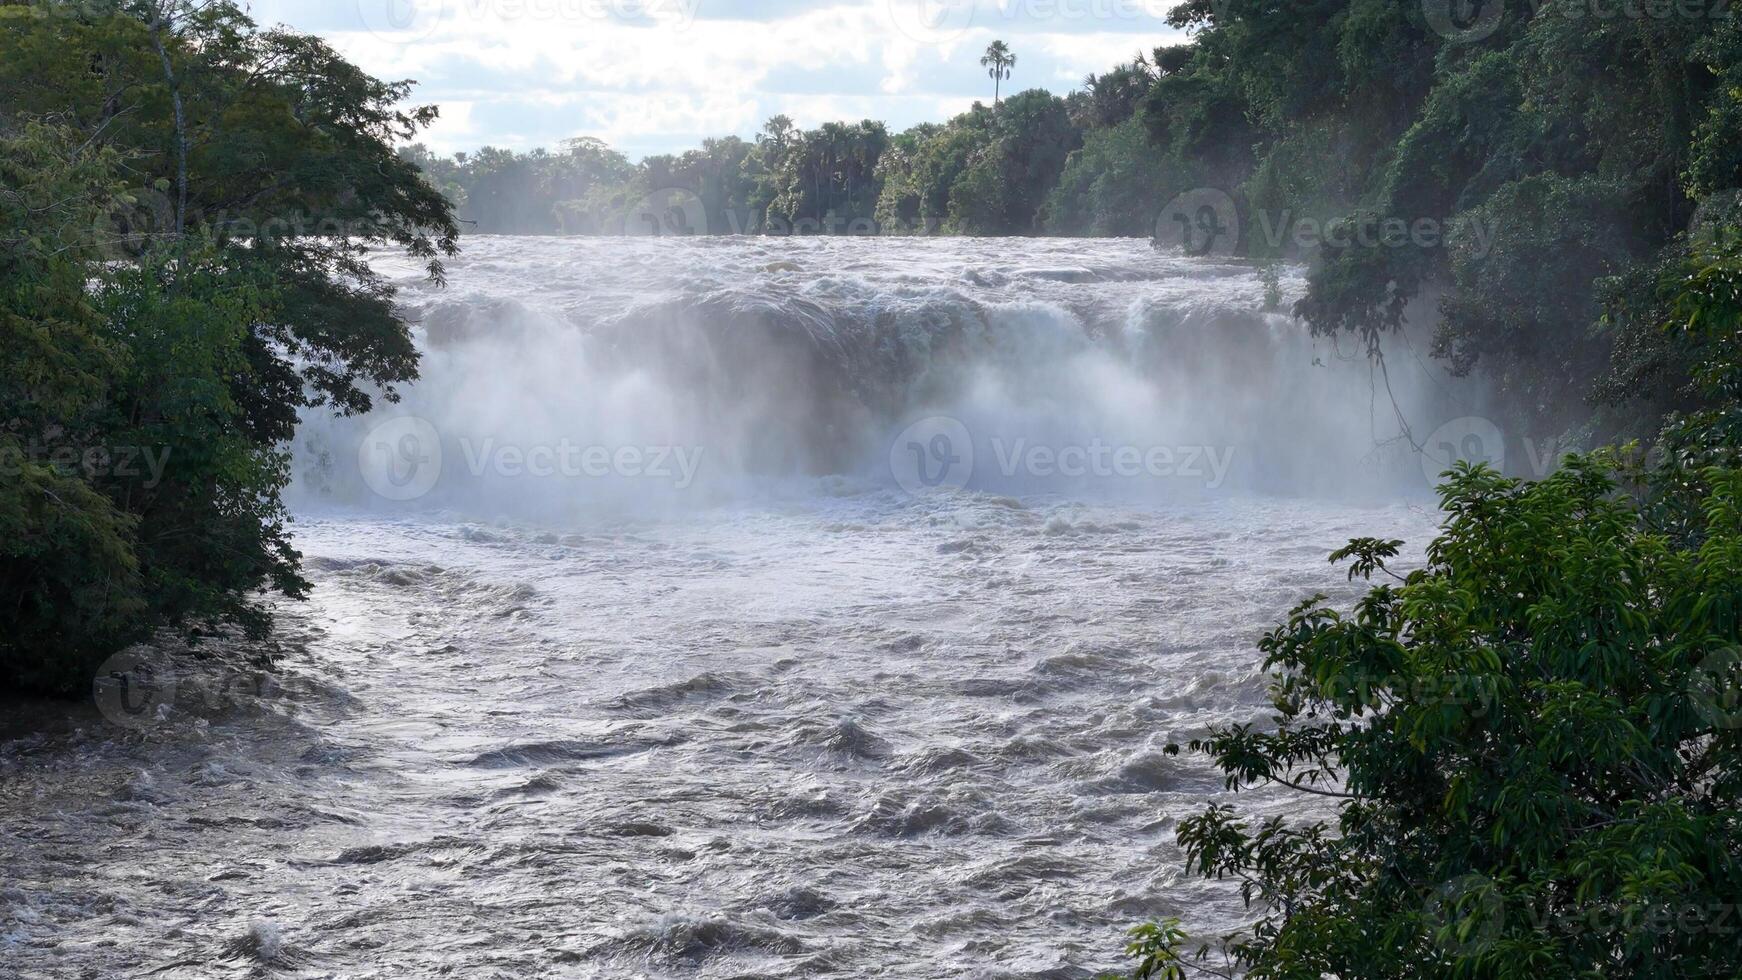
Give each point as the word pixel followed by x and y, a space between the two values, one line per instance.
pixel 777 130
pixel 998 61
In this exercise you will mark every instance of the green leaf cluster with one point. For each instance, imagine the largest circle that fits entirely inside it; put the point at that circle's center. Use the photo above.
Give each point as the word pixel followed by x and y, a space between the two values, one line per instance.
pixel 184 240
pixel 1529 748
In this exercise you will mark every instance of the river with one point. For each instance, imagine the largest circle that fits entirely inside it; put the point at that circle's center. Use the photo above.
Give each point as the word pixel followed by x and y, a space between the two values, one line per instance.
pixel 734 608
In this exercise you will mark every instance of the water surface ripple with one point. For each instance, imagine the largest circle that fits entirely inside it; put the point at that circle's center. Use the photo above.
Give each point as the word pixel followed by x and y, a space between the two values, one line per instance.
pixel 849 732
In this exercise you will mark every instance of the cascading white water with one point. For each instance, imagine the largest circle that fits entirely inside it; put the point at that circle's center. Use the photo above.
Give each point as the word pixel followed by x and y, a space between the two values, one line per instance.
pixel 737 365
pixel 784 708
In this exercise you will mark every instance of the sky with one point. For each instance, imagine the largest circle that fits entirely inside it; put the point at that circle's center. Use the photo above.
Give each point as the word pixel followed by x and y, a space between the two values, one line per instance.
pixel 657 76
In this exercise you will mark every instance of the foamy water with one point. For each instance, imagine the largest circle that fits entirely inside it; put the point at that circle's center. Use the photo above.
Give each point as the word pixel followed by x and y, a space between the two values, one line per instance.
pixel 800 714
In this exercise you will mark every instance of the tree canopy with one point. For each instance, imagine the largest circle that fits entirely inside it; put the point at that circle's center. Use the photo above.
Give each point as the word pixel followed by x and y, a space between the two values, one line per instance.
pixel 189 208
pixel 1533 742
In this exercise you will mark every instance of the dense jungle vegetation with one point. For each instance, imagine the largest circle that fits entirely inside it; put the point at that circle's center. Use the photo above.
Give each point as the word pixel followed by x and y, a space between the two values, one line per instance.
pixel 171 296
pixel 1532 745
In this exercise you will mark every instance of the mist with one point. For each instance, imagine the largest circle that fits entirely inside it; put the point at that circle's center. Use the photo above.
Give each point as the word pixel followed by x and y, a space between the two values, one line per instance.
pixel 621 376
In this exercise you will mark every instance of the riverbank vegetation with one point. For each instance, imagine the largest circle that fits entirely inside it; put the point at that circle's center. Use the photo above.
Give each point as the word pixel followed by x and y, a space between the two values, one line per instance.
pixel 1533 744
pixel 985 172
pixel 187 204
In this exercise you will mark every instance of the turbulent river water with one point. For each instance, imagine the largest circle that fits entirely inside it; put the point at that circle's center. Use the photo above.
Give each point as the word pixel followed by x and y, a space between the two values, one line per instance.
pixel 734 608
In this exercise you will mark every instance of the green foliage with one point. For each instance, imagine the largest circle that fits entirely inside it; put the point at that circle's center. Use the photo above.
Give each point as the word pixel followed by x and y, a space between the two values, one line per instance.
pixel 1702 297
pixel 211 529
pixel 184 271
pixel 983 173
pixel 828 177
pixel 1715 161
pixel 1676 326
pixel 1512 306
pixel 998 61
pixel 1107 100
pixel 1010 169
pixel 1532 745
pixel 1556 163
pixel 1155 947
pixel 921 176
pixel 1581 146
pixel 1032 137
pixel 787 180
pixel 1271 274
pixel 1109 187
pixel 69 577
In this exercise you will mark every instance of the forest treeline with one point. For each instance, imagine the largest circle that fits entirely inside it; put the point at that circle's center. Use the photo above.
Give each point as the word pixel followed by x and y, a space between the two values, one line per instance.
pixel 1032 163
pixel 989 171
pixel 1531 744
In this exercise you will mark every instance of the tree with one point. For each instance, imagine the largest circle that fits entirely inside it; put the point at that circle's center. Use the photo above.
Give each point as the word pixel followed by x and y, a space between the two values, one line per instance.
pixel 1108 100
pixel 1533 744
pixel 828 177
pixel 69 573
pixel 1110 186
pixel 997 61
pixel 924 166
pixel 777 131
pixel 1016 161
pixel 192 333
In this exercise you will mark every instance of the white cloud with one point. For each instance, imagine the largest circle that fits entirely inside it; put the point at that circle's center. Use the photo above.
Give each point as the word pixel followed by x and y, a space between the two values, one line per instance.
pixel 655 76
